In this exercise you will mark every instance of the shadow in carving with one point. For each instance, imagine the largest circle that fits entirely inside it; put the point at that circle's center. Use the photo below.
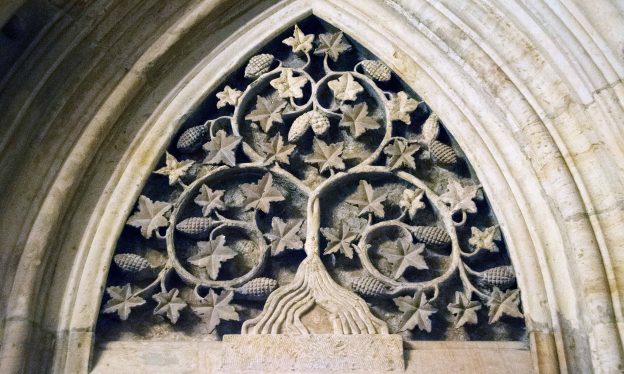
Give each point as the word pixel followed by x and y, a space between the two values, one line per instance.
pixel 313 192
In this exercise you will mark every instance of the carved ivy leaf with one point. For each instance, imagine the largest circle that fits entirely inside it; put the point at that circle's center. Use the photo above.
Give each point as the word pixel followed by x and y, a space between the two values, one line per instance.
pixel 368 200
pixel 215 308
pixel 401 153
pixel 416 312
pixel 458 197
pixel 299 42
pixel 150 216
pixel 169 304
pixel 326 156
pixel 411 201
pixel 484 239
pixel 284 235
pixel 332 44
pixel 268 110
pixel 357 120
pixel 503 303
pixel 121 301
pixel 221 149
pixel 260 195
pixel 464 310
pixel 211 254
pixel 229 96
pixel 174 169
pixel 287 85
pixel 276 151
pixel 340 239
pixel 210 200
pixel 345 87
pixel 400 106
pixel 405 255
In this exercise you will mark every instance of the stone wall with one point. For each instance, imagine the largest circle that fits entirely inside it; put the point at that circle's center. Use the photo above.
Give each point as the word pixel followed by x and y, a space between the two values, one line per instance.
pixel 532 92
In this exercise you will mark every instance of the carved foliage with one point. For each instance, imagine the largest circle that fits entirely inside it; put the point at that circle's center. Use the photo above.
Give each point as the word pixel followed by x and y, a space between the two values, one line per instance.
pixel 345 165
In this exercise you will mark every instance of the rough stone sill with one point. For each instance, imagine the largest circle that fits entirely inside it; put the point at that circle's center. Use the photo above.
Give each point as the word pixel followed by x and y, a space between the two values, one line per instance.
pixel 428 357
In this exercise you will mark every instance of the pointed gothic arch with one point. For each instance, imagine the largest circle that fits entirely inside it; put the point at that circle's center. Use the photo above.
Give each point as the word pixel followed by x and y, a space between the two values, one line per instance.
pixel 531 221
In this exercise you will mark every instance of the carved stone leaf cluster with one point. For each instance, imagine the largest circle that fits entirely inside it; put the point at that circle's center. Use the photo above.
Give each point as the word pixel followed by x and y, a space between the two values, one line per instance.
pixel 483 239
pixel 401 106
pixel 150 216
pixel 122 301
pixel 169 304
pixel 345 88
pixel 503 303
pixel 276 151
pixel 460 198
pixel 214 308
pixel 210 200
pixel 326 156
pixel 314 178
pixel 300 42
pixel 368 200
pixel 464 310
pixel 267 112
pixel 211 254
pixel 332 45
pixel 357 119
pixel 221 149
pixel 400 154
pixel 340 240
pixel 288 85
pixel 411 201
pixel 417 312
pixel 284 235
pixel 229 96
pixel 259 196
pixel 175 169
pixel 405 254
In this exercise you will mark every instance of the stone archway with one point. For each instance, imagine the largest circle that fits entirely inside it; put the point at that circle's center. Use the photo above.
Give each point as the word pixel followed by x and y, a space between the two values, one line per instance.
pixel 502 96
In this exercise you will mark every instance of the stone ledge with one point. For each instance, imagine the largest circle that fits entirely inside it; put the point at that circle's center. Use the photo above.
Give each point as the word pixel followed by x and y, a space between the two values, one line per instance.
pixel 194 357
pixel 312 353
pixel 431 345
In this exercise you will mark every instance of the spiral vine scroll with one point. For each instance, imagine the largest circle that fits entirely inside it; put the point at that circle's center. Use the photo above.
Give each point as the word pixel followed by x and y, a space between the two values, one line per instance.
pixel 315 145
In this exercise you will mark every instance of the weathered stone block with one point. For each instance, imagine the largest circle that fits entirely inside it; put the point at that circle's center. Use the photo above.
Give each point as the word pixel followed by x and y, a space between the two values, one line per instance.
pixel 312 353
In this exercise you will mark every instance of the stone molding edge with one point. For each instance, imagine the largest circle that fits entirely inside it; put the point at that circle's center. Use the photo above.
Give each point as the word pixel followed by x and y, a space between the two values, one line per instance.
pixel 205 355
pixel 545 327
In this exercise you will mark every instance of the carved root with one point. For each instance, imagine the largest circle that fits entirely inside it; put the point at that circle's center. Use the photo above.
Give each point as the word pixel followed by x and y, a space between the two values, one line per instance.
pixel 282 313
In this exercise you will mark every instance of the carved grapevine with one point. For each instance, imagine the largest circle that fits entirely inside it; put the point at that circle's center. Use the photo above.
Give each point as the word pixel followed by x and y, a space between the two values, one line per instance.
pixel 314 187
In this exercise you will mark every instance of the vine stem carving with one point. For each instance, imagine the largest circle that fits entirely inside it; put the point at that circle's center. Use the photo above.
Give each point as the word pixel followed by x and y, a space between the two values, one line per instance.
pixel 348 138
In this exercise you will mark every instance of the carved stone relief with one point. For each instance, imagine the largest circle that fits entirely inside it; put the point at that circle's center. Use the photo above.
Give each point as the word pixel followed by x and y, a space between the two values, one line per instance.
pixel 313 192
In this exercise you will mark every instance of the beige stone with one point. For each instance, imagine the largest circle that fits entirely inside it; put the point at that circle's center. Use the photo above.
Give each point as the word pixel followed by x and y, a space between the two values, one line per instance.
pixel 532 91
pixel 331 353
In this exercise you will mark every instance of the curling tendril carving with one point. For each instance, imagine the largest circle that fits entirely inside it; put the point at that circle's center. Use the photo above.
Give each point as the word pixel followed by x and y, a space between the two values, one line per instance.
pixel 308 155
